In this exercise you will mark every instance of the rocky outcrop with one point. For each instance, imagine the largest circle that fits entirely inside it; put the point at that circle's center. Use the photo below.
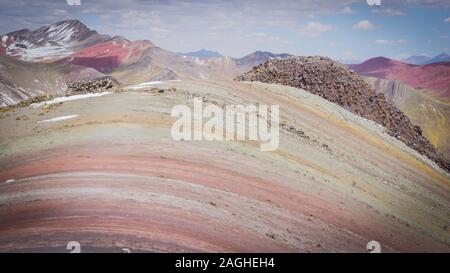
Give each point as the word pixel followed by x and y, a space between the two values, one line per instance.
pixel 83 87
pixel 336 83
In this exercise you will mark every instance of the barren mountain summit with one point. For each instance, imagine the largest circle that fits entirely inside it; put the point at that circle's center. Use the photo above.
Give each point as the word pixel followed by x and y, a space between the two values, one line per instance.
pixel 336 83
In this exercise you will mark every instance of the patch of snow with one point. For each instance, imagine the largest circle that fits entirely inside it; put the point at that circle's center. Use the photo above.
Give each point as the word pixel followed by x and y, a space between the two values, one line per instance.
pixel 61 33
pixel 143 85
pixel 58 119
pixel 151 83
pixel 67 35
pixel 147 84
pixel 7 99
pixel 9 181
pixel 199 61
pixel 58 44
pixel 52 28
pixel 203 76
pixel 69 98
pixel 45 53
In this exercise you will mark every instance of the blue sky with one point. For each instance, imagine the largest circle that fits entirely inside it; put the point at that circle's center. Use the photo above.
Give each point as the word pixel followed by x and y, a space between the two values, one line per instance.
pixel 410 31
pixel 342 29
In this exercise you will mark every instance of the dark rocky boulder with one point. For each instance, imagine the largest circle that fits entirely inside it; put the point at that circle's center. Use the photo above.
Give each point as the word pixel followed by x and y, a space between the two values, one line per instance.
pixel 90 86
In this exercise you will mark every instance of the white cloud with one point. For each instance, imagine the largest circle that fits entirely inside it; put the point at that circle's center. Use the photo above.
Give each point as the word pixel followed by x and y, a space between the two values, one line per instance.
pixel 364 24
pixel 388 12
pixel 447 20
pixel 105 17
pixel 403 56
pixel 348 55
pixel 314 29
pixel 347 10
pixel 225 26
pixel 383 42
pixel 423 3
pixel 73 2
pixel 60 12
pixel 317 27
pixel 261 37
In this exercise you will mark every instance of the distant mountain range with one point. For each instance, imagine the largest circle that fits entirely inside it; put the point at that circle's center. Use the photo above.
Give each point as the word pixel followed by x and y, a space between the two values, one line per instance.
pixel 432 78
pixel 349 61
pixel 259 57
pixel 202 53
pixel 83 53
pixel 443 57
pixel 423 110
pixel 423 59
pixel 73 52
pixel 416 59
pixel 45 61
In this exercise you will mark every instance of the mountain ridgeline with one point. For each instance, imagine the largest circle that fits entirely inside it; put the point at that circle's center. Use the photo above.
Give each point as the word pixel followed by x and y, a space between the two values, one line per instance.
pixel 47 60
pixel 76 52
pixel 338 84
pixel 49 42
pixel 431 78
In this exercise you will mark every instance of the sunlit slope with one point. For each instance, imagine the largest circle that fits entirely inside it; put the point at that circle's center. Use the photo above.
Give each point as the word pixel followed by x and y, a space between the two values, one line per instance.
pixel 430 113
pixel 21 80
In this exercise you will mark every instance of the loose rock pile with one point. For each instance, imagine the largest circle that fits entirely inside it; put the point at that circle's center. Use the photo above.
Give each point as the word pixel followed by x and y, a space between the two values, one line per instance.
pixel 336 83
pixel 92 86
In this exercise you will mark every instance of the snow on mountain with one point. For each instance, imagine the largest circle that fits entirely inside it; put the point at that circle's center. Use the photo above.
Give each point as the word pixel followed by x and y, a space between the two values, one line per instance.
pixel 49 43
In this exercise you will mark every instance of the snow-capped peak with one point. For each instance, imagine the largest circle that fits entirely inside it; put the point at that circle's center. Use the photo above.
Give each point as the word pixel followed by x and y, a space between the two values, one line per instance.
pixel 50 42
